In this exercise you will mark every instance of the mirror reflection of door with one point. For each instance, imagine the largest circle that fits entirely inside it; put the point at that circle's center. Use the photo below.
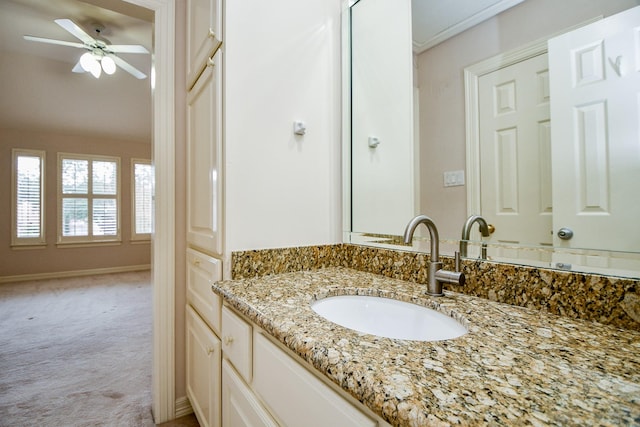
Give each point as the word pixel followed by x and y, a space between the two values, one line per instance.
pixel 596 140
pixel 515 159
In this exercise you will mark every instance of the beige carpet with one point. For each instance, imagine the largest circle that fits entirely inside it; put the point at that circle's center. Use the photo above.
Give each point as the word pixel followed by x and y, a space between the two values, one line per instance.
pixel 76 352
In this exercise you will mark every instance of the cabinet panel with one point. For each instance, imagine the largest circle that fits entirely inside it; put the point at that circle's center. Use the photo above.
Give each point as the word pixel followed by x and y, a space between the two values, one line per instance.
pixel 203 370
pixel 295 395
pixel 204 148
pixel 236 342
pixel 204 24
pixel 202 270
pixel 240 408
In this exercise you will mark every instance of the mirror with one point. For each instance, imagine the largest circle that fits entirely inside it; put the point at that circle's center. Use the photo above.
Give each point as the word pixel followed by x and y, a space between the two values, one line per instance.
pixel 413 142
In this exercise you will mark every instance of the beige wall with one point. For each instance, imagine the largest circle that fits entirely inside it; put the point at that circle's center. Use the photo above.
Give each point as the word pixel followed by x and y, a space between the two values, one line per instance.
pixel 53 259
pixel 441 84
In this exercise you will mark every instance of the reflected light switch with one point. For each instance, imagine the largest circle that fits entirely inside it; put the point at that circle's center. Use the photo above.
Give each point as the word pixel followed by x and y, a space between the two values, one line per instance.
pixel 453 178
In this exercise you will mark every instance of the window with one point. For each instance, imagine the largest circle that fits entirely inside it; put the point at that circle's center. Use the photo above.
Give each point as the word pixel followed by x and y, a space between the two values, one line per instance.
pixel 28 197
pixel 88 198
pixel 142 199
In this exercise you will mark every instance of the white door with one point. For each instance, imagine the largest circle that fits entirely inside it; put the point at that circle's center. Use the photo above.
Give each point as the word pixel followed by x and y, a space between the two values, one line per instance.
pixel 240 407
pixel 204 156
pixel 515 162
pixel 595 85
pixel 204 356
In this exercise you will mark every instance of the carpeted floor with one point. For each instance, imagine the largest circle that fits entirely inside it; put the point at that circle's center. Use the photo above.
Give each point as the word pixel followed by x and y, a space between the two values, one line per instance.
pixel 76 352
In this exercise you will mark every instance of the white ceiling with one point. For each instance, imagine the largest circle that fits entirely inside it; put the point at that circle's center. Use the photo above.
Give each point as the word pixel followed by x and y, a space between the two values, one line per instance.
pixel 38 89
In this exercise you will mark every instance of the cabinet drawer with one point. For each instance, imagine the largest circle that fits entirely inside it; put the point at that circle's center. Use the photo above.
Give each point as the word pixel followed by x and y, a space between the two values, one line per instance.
pixel 202 271
pixel 236 342
pixel 295 395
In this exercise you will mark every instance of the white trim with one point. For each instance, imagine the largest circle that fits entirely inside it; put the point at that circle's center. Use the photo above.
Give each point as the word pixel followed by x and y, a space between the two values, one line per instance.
pixel 183 407
pixel 472 21
pixel 73 273
pixel 346 119
pixel 163 249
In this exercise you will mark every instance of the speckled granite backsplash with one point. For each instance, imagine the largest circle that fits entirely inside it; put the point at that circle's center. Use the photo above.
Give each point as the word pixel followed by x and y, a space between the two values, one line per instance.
pixel 608 300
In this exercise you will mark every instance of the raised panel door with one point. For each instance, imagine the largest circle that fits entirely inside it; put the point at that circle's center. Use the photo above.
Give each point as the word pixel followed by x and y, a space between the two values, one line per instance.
pixel 204 31
pixel 240 408
pixel 204 356
pixel 204 152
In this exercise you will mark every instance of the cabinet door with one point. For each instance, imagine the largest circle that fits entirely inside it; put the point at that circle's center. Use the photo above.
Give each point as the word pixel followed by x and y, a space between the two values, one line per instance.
pixel 294 394
pixel 204 146
pixel 240 408
pixel 204 29
pixel 202 270
pixel 203 370
pixel 236 338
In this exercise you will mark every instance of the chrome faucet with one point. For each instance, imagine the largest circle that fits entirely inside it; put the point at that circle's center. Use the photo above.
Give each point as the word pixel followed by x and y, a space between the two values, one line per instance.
pixel 466 232
pixel 436 274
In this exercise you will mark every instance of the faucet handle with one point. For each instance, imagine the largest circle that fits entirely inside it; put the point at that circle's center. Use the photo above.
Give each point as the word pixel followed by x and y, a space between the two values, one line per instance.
pixel 446 276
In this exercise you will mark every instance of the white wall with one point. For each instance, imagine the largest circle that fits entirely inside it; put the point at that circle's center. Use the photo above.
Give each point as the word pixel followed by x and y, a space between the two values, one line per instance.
pixel 382 107
pixel 282 64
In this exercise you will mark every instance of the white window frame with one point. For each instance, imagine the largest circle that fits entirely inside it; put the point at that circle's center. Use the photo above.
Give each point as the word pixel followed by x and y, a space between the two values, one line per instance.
pixel 90 239
pixel 135 236
pixel 27 241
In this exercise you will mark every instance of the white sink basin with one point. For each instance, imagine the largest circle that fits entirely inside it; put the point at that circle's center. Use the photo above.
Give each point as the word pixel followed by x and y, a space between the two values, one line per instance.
pixel 388 318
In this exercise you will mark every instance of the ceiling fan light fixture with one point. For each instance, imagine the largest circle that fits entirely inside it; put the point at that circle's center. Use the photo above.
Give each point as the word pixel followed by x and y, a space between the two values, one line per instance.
pixel 108 66
pixel 89 62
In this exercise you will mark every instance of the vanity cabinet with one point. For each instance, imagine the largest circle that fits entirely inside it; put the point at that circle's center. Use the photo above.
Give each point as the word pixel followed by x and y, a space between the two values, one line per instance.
pixel 263 385
pixel 203 370
pixel 203 345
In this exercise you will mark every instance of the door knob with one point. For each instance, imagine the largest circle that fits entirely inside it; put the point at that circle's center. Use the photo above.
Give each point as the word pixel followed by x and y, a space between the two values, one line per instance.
pixel 565 233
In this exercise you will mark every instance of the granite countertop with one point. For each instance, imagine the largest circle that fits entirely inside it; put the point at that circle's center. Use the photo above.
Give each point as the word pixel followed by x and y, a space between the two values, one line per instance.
pixel 515 366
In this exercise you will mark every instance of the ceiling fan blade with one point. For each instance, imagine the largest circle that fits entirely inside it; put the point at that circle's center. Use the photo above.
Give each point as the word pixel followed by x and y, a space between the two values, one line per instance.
pixel 76 31
pixel 128 67
pixel 52 41
pixel 127 48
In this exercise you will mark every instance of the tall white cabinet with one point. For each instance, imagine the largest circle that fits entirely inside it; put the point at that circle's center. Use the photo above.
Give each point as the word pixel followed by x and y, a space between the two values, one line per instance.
pixel 204 126
pixel 204 208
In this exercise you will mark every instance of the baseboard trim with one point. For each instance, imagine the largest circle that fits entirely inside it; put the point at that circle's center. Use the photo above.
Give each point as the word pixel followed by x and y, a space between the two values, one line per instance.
pixel 183 407
pixel 74 273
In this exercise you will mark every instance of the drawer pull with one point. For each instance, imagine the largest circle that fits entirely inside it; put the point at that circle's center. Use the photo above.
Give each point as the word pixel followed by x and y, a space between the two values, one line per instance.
pixel 196 262
pixel 228 340
pixel 210 350
pixel 211 34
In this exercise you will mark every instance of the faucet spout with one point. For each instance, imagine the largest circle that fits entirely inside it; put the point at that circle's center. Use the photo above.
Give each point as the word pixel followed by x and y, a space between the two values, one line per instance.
pixel 466 232
pixel 436 274
pixel 433 234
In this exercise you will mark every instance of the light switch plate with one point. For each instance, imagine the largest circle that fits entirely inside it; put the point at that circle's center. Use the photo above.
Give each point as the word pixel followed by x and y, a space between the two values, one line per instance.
pixel 453 178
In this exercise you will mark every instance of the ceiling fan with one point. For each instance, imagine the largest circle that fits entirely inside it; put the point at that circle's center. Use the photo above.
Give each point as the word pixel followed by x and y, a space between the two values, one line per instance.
pixel 100 55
